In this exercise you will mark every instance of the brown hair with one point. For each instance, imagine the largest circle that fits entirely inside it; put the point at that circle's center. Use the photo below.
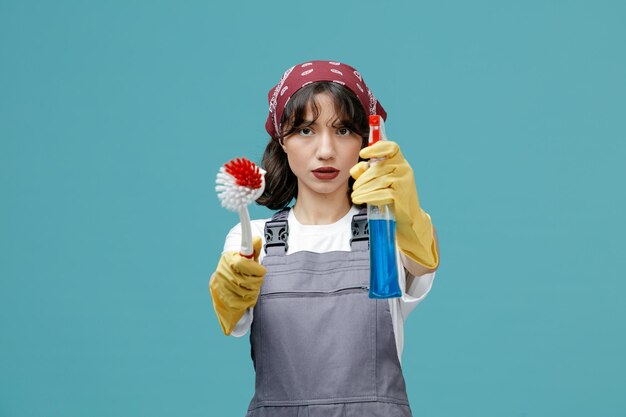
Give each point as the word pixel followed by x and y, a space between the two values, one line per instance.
pixel 281 185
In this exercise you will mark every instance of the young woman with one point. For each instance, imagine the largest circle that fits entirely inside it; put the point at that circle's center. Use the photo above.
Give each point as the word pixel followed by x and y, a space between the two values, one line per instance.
pixel 320 345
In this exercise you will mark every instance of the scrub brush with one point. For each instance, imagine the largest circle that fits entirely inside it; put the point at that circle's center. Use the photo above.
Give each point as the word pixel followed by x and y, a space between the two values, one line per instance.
pixel 239 183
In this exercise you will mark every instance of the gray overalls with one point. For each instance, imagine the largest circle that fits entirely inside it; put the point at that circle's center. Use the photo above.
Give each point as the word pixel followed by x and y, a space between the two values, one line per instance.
pixel 320 345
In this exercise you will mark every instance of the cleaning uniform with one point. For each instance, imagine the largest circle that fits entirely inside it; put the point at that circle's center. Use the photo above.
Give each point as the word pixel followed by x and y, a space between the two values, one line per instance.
pixel 320 345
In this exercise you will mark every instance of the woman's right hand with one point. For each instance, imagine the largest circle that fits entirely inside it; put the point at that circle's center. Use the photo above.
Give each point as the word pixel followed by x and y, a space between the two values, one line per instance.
pixel 235 286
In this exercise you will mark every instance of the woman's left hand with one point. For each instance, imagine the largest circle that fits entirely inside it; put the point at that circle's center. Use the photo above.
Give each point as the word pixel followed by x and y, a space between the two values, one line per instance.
pixel 390 181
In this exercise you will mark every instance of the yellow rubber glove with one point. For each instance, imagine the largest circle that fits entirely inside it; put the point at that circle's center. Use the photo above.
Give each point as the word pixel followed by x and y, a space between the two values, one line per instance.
pixel 235 286
pixel 390 181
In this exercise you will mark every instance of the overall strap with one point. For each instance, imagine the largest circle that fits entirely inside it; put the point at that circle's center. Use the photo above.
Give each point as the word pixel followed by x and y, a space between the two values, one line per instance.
pixel 277 233
pixel 360 240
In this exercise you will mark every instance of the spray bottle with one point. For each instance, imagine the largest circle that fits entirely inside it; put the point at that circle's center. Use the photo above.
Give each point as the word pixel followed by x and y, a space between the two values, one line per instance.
pixel 382 233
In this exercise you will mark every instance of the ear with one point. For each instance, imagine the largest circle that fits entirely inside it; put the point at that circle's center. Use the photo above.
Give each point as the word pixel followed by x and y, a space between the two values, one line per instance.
pixel 282 145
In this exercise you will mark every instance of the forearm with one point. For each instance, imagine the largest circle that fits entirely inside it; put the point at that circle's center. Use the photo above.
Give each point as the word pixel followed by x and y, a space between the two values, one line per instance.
pixel 413 267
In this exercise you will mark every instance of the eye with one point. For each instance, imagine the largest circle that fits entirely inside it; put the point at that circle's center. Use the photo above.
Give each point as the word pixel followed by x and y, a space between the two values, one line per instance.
pixel 305 131
pixel 344 131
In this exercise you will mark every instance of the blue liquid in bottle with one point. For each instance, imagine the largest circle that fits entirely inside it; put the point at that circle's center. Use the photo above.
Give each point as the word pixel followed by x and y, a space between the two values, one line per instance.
pixel 382 231
pixel 383 267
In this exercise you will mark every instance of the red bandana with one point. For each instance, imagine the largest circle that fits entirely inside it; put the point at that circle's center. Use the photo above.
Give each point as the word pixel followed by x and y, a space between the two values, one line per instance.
pixel 301 75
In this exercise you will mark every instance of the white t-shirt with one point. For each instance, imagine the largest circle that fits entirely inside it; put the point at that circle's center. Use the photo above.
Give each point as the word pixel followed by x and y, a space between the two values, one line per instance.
pixel 335 237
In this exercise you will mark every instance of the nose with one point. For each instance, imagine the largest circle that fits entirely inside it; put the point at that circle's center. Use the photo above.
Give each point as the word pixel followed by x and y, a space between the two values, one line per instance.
pixel 326 145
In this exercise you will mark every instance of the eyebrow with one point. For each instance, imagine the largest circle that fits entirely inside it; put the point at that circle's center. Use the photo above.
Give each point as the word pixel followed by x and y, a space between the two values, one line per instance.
pixel 336 123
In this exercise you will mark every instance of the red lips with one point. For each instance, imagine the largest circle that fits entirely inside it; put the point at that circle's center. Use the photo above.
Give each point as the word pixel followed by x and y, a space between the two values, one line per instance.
pixel 325 173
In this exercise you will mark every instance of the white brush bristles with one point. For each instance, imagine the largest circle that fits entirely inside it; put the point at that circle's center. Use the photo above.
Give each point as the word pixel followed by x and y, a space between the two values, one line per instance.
pixel 233 196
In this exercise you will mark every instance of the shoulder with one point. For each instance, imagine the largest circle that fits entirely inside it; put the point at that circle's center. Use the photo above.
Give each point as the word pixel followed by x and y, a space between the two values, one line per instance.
pixel 233 238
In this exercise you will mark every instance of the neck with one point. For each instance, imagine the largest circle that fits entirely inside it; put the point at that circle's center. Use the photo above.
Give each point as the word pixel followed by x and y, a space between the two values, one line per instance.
pixel 312 208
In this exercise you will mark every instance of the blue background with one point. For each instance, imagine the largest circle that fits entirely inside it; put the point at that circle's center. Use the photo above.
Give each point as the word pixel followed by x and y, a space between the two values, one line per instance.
pixel 114 119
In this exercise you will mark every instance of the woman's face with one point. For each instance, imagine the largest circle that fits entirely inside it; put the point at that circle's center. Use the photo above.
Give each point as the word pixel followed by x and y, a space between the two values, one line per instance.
pixel 322 152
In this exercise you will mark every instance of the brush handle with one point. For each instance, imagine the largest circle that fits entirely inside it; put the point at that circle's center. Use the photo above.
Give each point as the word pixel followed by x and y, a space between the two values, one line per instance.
pixel 247 250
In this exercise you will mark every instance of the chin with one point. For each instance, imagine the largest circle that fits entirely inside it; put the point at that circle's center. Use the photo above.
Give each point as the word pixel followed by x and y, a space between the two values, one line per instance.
pixel 328 189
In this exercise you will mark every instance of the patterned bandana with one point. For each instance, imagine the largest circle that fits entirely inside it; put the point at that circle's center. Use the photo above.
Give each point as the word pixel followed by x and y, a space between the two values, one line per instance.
pixel 304 74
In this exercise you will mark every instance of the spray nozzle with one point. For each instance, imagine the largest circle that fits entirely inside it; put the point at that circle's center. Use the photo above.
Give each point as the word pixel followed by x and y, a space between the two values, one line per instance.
pixel 377 129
